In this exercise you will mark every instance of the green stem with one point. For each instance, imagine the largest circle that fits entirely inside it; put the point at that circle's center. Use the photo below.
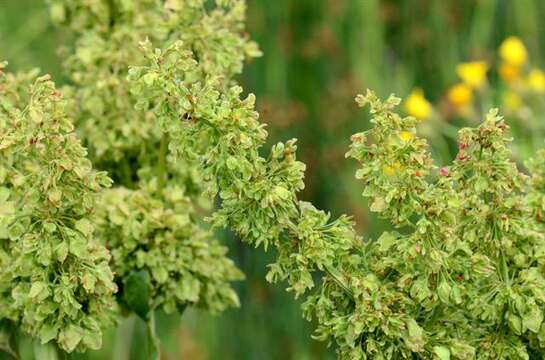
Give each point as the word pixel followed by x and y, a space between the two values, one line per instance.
pixel 45 351
pixel 336 276
pixel 124 336
pixel 505 270
pixel 154 347
pixel 7 350
pixel 8 341
pixel 126 174
pixel 161 165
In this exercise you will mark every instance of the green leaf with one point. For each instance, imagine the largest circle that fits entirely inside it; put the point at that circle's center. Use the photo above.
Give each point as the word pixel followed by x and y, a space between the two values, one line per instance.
pixel 136 293
pixel 188 289
pixel 281 192
pixel 49 227
pixel 532 320
pixel 61 251
pixel 385 241
pixel 415 337
pixel 84 226
pixel 48 332
pixel 70 337
pixel 378 205
pixel 55 196
pixel 441 353
pixel 78 245
pixel 456 295
pixel 481 184
pixel 150 78
pixel 160 274
pixel 443 291
pixel 4 194
pixel 231 162
pixel 93 339
pixel 515 323
pixel 461 350
pixel 38 290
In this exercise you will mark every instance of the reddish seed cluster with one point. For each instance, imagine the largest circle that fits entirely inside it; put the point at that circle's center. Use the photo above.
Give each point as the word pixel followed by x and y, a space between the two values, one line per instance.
pixel 444 171
pixel 461 157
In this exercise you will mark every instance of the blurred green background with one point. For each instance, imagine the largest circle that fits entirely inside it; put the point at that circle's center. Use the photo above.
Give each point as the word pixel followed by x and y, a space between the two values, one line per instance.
pixel 318 54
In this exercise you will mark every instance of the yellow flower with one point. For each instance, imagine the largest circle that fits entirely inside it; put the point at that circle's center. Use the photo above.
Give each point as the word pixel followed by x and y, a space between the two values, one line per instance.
pixel 509 73
pixel 391 170
pixel 406 136
pixel 536 80
pixel 473 73
pixel 513 51
pixel 512 100
pixel 416 105
pixel 460 95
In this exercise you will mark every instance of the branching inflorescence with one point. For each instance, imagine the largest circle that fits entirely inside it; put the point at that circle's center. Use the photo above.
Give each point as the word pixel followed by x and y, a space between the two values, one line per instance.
pixel 467 274
pixel 147 228
pixel 55 280
pixel 150 220
pixel 459 276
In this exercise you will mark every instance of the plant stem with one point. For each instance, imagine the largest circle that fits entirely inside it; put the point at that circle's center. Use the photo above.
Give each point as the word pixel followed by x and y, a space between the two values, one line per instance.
pixel 45 351
pixel 124 336
pixel 8 342
pixel 126 174
pixel 154 347
pixel 161 165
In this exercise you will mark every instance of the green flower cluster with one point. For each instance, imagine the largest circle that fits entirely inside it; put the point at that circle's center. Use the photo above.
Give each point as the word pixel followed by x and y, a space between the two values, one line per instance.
pixel 147 221
pixel 56 283
pixel 180 262
pixel 67 244
pixel 108 33
pixel 459 276
pixel 211 125
pixel 462 274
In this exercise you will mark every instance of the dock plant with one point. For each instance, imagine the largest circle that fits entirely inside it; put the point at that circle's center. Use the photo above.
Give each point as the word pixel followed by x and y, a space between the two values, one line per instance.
pixel 112 185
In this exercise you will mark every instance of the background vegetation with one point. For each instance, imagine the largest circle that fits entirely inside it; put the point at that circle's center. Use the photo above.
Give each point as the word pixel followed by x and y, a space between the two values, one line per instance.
pixel 317 55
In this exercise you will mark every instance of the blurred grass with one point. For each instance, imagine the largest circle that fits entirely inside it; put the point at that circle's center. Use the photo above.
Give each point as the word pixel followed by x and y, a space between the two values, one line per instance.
pixel 318 55
pixel 27 37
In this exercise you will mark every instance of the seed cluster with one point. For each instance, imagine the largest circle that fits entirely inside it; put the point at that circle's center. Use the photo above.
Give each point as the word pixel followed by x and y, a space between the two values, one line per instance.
pixel 56 280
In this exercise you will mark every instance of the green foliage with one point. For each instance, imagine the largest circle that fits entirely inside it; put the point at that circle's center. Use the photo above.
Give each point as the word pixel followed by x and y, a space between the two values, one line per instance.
pixel 106 44
pixel 153 226
pixel 158 248
pixel 137 293
pixel 55 280
pixel 149 222
pixel 459 274
pixel 220 131
pixel 145 230
pixel 462 274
